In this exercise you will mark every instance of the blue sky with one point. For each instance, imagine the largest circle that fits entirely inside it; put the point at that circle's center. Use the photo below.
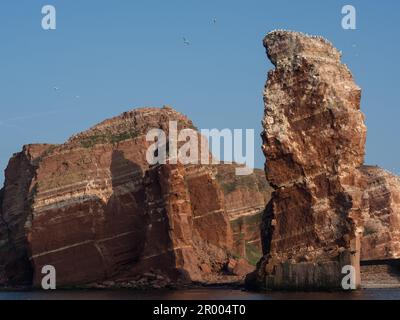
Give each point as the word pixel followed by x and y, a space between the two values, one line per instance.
pixel 116 55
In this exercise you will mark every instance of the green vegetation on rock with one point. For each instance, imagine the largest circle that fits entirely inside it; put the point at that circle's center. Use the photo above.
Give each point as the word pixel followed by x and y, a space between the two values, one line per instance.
pixel 101 138
pixel 369 230
pixel 49 150
pixel 253 254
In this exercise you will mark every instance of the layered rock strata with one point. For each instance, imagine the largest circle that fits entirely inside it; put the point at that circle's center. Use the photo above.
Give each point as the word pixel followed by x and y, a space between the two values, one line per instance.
pixel 313 140
pixel 327 210
pixel 245 199
pixel 98 212
pixel 380 225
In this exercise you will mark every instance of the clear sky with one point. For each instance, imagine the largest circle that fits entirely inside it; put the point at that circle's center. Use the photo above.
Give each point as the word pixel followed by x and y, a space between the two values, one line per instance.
pixel 116 55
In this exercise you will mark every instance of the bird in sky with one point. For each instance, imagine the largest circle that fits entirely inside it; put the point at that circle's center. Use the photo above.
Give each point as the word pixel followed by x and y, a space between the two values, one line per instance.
pixel 214 20
pixel 56 88
pixel 185 41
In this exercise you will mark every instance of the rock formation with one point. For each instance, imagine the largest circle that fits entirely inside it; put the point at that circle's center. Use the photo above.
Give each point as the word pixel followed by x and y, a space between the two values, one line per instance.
pixel 380 214
pixel 95 210
pixel 245 199
pixel 323 200
pixel 102 216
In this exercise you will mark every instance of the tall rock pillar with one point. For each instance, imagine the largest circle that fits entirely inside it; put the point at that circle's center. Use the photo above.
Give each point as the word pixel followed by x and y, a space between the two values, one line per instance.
pixel 313 141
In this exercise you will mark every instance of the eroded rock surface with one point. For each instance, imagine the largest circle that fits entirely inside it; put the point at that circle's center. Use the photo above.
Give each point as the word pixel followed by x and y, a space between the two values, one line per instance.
pixel 328 210
pixel 380 214
pixel 313 140
pixel 95 210
pixel 245 199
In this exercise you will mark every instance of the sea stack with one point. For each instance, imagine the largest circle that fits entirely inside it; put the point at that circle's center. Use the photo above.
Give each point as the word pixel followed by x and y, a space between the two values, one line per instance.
pixel 329 213
pixel 313 141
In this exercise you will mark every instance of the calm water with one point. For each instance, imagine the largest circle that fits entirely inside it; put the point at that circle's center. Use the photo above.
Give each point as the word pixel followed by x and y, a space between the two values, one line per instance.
pixel 197 294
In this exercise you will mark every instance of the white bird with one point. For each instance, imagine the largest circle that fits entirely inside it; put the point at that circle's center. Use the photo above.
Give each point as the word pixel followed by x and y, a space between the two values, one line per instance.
pixel 56 88
pixel 77 97
pixel 185 41
pixel 214 20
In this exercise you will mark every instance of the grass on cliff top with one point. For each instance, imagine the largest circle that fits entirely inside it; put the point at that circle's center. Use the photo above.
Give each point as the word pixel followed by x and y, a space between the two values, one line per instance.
pixel 49 150
pixel 91 141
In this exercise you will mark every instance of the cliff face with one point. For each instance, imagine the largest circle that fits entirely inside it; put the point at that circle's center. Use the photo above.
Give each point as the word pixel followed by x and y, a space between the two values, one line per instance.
pixel 380 225
pixel 245 199
pixel 324 203
pixel 313 140
pixel 101 215
pixel 95 210
pixel 15 213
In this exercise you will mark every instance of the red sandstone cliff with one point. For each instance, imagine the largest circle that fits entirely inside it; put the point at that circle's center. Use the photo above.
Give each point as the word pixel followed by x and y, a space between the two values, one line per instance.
pixel 95 210
pixel 380 216
pixel 327 211
pixel 245 199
